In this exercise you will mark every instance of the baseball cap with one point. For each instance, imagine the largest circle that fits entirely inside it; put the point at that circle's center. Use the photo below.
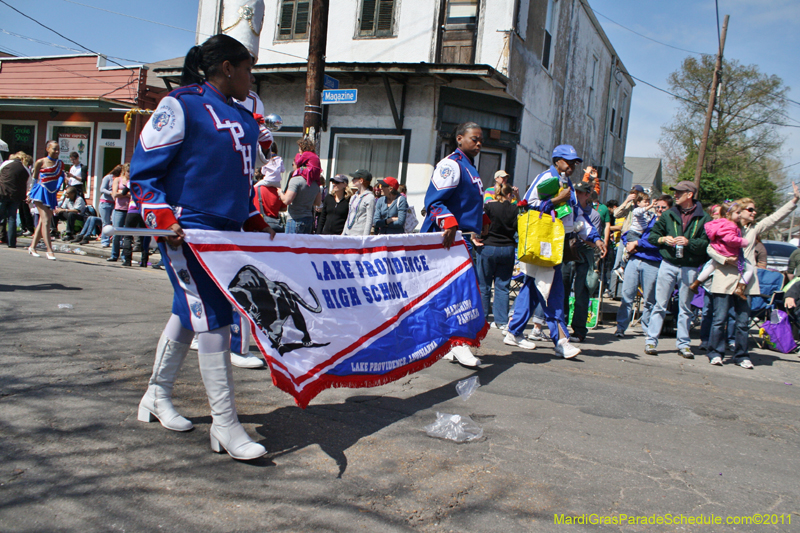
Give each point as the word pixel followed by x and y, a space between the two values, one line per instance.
pixel 501 174
pixel 389 181
pixel 584 186
pixel 567 152
pixel 638 188
pixel 687 186
pixel 362 174
pixel 340 178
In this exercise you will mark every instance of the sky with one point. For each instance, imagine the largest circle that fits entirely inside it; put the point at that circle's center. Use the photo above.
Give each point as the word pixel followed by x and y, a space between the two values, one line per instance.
pixel 760 32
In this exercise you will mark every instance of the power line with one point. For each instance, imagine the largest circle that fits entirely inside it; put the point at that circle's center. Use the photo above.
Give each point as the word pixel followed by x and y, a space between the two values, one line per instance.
pixel 174 27
pixel 60 35
pixel 38 41
pixel 648 38
pixel 700 106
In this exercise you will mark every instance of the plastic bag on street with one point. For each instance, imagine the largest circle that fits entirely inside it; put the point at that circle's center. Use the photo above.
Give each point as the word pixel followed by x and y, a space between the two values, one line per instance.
pixel 454 427
pixel 466 387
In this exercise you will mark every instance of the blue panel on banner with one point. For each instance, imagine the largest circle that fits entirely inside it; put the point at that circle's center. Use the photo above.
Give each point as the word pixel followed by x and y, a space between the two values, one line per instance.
pixel 340 96
pixel 424 330
pixel 330 83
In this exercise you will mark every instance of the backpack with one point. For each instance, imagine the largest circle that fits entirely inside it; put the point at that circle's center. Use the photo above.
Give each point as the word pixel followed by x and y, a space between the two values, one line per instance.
pixel 411 221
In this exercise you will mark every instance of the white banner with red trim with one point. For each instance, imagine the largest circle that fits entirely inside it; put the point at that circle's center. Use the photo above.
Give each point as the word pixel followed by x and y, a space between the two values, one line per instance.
pixel 332 311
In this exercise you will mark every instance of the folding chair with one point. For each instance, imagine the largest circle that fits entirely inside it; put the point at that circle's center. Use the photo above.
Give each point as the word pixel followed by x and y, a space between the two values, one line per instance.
pixel 770 283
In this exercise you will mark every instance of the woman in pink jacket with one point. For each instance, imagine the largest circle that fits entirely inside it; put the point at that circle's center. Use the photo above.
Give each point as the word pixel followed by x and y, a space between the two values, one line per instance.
pixel 726 238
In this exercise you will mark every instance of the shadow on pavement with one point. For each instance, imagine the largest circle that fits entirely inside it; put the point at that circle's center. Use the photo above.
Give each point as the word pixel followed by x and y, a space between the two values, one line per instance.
pixel 337 427
pixel 40 287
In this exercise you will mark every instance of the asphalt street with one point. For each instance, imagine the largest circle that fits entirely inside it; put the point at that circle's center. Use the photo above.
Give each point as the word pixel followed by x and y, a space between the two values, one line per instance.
pixel 613 432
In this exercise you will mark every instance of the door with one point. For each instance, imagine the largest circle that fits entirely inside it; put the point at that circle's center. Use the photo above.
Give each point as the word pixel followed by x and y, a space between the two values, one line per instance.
pixel 110 153
pixel 457 32
pixel 489 161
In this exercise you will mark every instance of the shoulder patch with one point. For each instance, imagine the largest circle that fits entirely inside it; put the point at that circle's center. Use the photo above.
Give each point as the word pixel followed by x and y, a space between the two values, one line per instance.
pixel 446 175
pixel 166 126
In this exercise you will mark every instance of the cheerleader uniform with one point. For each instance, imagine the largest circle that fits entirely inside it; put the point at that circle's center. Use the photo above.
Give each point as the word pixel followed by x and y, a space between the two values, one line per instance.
pixel 49 181
pixel 193 166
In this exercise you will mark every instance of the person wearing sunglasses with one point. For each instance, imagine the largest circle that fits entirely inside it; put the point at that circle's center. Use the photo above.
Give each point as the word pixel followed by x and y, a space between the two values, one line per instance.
pixel 681 237
pixel 726 277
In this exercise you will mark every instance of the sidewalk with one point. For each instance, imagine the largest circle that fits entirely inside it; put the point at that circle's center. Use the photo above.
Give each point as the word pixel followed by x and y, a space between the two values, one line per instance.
pixel 93 249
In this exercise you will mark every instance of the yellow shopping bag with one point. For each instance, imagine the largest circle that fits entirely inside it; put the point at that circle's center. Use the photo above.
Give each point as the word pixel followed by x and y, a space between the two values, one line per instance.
pixel 541 239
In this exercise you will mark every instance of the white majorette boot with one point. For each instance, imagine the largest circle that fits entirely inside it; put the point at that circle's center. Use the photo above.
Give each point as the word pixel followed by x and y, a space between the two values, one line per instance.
pixel 157 401
pixel 226 431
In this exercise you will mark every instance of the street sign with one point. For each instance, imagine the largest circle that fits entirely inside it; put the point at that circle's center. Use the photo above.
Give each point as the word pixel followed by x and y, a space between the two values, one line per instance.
pixel 340 96
pixel 330 83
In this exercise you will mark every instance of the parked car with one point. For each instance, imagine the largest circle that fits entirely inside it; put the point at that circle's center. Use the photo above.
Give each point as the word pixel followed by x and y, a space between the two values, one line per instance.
pixel 778 253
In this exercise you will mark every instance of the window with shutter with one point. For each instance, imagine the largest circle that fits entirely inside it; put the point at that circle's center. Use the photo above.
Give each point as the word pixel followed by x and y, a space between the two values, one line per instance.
pixel 294 19
pixel 377 18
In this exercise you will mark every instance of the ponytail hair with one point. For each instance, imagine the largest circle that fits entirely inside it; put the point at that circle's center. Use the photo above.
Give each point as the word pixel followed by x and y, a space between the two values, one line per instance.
pixel 204 61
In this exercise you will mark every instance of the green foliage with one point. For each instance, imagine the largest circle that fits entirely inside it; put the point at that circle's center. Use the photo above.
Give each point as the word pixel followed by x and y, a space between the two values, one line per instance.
pixel 731 182
pixel 743 143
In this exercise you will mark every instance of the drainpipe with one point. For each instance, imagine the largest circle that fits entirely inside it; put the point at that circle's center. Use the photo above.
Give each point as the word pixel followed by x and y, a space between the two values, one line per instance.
pixel 566 74
pixel 605 122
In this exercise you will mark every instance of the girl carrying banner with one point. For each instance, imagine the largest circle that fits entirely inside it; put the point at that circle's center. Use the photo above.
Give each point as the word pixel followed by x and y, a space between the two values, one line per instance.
pixel 192 169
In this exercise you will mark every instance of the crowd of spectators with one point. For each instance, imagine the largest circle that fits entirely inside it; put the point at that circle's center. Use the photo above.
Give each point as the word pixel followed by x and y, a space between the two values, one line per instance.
pixel 661 250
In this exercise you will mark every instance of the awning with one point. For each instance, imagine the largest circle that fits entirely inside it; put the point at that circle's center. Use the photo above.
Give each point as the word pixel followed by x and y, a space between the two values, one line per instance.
pixel 475 77
pixel 61 104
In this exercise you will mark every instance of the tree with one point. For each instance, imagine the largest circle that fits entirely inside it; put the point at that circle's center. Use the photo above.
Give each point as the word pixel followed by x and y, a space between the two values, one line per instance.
pixel 743 143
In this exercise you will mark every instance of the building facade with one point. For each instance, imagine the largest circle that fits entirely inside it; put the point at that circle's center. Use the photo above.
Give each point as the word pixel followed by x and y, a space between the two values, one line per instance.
pixel 532 73
pixel 77 100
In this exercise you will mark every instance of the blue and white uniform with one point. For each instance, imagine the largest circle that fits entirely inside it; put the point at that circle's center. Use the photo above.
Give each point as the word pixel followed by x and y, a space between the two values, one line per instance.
pixel 454 196
pixel 551 281
pixel 588 232
pixel 194 166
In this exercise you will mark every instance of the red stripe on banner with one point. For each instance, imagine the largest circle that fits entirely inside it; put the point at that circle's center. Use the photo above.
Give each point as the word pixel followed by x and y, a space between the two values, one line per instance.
pixel 299 250
pixel 336 359
pixel 284 380
pixel 327 381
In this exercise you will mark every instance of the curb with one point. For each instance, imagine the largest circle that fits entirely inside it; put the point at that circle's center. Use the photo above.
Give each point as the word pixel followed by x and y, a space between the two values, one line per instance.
pixel 93 249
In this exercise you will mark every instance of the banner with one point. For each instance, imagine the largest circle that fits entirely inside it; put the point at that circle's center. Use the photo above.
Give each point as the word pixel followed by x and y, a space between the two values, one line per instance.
pixel 333 311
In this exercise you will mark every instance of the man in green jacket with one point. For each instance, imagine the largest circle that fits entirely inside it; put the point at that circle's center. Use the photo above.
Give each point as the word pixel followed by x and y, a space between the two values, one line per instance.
pixel 681 237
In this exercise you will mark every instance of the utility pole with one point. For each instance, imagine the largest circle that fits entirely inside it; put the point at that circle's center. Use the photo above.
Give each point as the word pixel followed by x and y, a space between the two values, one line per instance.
pixel 711 100
pixel 317 39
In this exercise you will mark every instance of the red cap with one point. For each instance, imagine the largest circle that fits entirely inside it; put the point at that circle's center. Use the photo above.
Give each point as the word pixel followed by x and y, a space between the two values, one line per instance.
pixel 390 181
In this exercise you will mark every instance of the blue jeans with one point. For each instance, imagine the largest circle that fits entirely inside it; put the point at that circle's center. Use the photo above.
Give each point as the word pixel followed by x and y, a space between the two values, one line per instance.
pixel 668 276
pixel 529 297
pixel 637 273
pixel 8 210
pixel 708 317
pixel 495 263
pixel 105 210
pixel 118 220
pixel 574 276
pixel 716 341
pixel 614 280
pixel 90 225
pixel 300 225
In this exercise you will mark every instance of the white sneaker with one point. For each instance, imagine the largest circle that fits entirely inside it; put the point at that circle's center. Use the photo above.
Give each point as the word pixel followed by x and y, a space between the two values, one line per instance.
pixel 566 350
pixel 717 361
pixel 520 341
pixel 463 355
pixel 247 360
